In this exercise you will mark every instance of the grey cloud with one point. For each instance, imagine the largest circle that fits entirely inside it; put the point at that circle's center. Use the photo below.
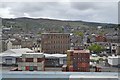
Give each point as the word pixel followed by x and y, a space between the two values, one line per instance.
pixel 40 8
pixel 84 5
pixel 88 11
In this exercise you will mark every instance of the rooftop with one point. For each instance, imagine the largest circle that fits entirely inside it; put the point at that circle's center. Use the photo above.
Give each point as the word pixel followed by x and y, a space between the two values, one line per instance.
pixel 55 55
pixel 32 53
pixel 19 52
pixel 16 52
pixel 113 56
pixel 79 51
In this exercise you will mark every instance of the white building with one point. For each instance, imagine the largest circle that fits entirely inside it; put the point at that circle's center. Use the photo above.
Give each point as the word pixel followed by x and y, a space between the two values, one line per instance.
pixel 9 57
pixel 55 59
pixel 31 62
pixel 114 60
pixel 9 45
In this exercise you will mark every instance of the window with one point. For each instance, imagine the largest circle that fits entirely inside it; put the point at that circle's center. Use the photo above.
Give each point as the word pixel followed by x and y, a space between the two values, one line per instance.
pixel 19 59
pixel 39 59
pixel 29 59
pixel 61 36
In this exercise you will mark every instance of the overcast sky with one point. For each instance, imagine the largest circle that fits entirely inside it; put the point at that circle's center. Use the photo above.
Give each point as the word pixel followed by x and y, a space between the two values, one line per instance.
pixel 106 12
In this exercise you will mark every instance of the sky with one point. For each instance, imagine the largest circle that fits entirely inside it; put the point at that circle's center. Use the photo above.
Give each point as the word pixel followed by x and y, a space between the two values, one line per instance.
pixel 103 12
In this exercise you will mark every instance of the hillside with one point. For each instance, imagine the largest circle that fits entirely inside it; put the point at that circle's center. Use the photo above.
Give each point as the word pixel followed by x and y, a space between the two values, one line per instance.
pixel 32 23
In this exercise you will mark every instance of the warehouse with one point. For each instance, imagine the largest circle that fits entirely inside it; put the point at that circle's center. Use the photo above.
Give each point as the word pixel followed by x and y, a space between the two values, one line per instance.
pixel 55 60
pixel 9 57
pixel 31 62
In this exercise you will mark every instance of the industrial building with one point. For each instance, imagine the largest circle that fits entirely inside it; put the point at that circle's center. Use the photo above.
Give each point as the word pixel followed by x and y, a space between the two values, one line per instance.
pixel 9 57
pixel 31 62
pixel 55 60
pixel 78 60
pixel 55 42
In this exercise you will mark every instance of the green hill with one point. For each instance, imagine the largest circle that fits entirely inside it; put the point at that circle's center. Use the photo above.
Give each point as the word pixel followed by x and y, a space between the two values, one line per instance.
pixel 32 23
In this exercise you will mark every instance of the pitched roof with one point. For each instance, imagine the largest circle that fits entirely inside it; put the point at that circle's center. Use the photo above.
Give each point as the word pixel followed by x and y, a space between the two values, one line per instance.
pixel 16 52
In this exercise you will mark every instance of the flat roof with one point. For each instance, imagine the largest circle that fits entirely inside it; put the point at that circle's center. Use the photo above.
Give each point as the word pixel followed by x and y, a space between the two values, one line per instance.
pixel 55 55
pixel 79 51
pixel 33 53
pixel 113 56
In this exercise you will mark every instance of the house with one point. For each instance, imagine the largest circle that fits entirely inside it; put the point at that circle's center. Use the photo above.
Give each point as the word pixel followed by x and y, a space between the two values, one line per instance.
pixel 100 38
pixel 9 45
pixel 106 46
pixel 27 43
pixel 113 38
pixel 76 41
pixel 13 44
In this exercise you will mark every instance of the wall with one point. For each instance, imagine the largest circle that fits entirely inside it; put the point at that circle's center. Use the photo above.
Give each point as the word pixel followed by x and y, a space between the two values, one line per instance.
pixel 7 57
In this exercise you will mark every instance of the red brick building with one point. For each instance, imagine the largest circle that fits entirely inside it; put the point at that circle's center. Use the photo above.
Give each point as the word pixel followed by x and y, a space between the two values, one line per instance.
pixel 78 60
pixel 55 42
pixel 100 38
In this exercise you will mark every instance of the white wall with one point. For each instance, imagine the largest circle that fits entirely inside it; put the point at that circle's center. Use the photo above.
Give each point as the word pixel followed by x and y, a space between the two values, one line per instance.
pixel 9 45
pixel 62 60
pixel 113 61
pixel 6 57
pixel 16 46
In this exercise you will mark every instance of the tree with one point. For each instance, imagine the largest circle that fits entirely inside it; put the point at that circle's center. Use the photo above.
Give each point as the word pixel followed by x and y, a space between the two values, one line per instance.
pixel 96 48
pixel 79 33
